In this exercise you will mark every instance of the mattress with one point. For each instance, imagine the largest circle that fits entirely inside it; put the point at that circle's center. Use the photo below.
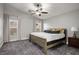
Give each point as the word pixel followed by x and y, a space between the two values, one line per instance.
pixel 48 36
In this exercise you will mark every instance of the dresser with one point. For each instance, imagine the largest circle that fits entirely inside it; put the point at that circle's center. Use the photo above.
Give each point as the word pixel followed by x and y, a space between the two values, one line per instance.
pixel 74 42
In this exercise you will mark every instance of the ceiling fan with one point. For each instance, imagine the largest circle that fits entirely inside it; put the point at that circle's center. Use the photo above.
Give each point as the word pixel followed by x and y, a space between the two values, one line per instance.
pixel 39 10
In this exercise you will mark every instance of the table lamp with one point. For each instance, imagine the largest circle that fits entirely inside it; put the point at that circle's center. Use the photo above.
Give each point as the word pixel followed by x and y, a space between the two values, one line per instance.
pixel 74 29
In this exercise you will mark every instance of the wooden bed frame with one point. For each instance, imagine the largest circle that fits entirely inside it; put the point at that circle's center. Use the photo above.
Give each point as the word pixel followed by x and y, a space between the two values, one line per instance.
pixel 43 42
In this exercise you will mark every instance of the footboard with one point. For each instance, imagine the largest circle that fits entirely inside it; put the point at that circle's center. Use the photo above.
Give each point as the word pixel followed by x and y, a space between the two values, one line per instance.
pixel 40 41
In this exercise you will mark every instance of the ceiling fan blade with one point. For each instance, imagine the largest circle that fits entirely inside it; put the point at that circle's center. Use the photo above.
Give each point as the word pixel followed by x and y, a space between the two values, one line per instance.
pixel 44 12
pixel 31 11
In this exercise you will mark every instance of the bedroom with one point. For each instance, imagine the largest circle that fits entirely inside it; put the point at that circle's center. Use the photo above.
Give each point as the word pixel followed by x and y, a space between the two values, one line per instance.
pixel 27 18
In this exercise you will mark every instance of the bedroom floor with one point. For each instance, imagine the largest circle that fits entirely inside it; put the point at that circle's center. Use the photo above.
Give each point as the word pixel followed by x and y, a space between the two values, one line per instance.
pixel 27 48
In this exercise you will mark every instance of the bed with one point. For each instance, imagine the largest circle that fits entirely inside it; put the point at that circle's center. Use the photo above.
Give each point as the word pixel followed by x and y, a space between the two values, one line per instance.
pixel 47 40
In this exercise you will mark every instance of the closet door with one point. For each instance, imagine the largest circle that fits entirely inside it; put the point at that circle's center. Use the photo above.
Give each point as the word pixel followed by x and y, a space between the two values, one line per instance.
pixel 13 29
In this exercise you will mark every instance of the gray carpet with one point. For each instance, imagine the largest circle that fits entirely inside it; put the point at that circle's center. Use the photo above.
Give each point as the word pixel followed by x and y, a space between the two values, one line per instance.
pixel 27 48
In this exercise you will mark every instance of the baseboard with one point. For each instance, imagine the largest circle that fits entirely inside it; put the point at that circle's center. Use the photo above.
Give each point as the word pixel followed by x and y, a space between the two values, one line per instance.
pixel 24 38
pixel 18 40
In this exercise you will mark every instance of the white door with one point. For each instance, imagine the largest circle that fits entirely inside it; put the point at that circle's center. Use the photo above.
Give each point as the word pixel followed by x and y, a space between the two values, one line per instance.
pixel 13 29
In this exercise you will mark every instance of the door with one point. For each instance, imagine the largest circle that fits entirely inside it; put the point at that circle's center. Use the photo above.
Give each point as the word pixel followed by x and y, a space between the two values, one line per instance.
pixel 13 29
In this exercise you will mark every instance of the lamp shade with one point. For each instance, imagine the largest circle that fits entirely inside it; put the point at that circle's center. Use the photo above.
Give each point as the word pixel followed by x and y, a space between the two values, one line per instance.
pixel 74 29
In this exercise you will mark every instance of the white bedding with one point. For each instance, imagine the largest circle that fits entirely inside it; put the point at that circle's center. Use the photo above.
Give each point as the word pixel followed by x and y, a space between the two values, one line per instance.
pixel 49 36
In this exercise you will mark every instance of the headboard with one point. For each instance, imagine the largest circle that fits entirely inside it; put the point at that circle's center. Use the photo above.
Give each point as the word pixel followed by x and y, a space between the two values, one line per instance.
pixel 65 32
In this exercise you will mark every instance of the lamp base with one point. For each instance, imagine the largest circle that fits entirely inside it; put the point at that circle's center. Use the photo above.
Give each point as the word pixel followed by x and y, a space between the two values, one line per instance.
pixel 74 35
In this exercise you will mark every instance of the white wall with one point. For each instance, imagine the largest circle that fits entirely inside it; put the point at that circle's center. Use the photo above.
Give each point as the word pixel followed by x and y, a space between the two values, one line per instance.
pixel 1 25
pixel 26 26
pixel 26 21
pixel 66 20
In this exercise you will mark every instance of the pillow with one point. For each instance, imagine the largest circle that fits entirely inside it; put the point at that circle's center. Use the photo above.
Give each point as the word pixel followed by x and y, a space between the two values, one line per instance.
pixel 62 31
pixel 57 29
pixel 53 32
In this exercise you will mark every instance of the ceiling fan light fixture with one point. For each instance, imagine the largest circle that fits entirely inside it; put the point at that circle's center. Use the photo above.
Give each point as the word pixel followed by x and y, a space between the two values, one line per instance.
pixel 37 13
pixel 39 10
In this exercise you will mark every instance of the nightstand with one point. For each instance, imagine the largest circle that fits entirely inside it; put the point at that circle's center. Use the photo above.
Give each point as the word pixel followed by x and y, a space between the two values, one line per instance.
pixel 74 42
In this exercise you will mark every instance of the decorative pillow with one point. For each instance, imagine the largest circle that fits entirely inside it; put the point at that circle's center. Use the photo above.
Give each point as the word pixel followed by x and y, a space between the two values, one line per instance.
pixel 48 31
pixel 57 29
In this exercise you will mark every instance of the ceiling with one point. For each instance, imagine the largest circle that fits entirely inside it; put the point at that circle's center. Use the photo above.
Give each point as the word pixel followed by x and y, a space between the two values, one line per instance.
pixel 53 9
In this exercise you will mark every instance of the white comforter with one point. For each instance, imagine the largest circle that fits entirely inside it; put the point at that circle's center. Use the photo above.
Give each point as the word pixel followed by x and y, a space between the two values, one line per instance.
pixel 48 36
